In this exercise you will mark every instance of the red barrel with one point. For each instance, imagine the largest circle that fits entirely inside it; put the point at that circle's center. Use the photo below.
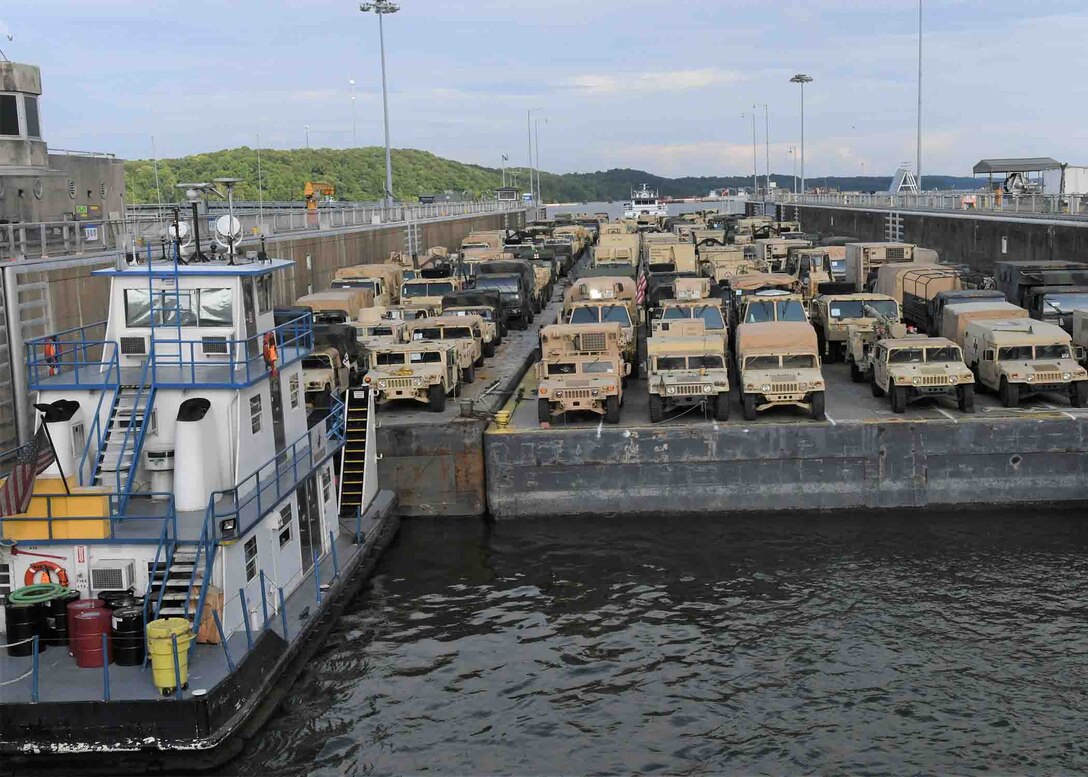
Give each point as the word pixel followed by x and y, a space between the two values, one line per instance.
pixel 78 606
pixel 85 635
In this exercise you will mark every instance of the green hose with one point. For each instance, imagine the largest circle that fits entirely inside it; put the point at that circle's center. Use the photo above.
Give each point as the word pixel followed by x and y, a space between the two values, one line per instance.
pixel 35 594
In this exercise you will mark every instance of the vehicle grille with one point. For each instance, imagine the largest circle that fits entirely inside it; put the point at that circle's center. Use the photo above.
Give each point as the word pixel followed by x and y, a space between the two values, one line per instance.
pixel 576 394
pixel 593 341
pixel 689 388
pixel 784 388
pixel 934 380
pixel 398 383
pixel 1048 377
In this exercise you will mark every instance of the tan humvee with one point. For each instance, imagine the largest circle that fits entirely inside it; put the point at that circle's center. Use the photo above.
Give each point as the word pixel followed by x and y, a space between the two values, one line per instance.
pixel 371 330
pixel 324 375
pixel 834 316
pixel 582 367
pixel 428 291
pixel 723 262
pixel 465 333
pixel 489 328
pixel 410 312
pixel 675 316
pixel 1023 357
pixel 337 305
pixel 779 365
pixel 384 280
pixel 687 370
pixel 422 371
pixel 919 367
pixel 602 300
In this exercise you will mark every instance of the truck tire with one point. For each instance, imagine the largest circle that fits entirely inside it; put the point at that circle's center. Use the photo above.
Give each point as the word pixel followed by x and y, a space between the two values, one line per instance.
pixel 1009 393
pixel 899 398
pixel 468 375
pixel 1078 393
pixel 835 352
pixel 856 375
pixel 489 348
pixel 530 315
pixel 543 411
pixel 749 401
pixel 821 344
pixel 721 407
pixel 612 409
pixel 480 362
pixel 657 408
pixel 436 396
pixel 818 399
pixel 965 398
pixel 504 330
pixel 876 390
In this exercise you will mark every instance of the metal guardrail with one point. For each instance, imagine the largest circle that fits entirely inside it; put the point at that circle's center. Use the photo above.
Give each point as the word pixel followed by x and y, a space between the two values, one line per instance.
pixel 141 232
pixel 1040 205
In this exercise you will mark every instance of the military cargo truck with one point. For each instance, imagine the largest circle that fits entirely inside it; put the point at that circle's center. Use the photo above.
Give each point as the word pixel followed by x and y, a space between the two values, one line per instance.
pixel 428 291
pixel 337 306
pixel 463 332
pixel 1023 357
pixel 777 365
pixel 935 307
pixel 581 368
pixel 774 250
pixel 685 370
pixel 516 281
pixel 955 317
pixel 921 367
pixel 422 371
pixel 486 304
pixel 383 280
pixel 863 259
pixel 1048 290
pixel 833 316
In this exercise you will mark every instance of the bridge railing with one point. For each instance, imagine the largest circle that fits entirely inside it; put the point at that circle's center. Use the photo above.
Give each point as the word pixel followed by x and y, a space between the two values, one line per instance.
pixel 1038 205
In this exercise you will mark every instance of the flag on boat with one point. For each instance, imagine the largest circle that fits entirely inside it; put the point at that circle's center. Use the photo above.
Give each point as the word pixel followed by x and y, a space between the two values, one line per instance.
pixel 31 461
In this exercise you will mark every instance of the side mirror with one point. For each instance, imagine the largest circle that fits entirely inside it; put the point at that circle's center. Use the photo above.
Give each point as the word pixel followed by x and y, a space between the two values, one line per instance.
pixel 626 369
pixel 1081 353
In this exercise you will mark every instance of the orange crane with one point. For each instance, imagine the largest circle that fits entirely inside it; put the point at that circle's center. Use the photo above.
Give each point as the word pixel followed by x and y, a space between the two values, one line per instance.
pixel 315 190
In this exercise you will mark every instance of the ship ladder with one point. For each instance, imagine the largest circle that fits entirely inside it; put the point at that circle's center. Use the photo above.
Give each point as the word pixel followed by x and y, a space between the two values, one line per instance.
pixel 353 456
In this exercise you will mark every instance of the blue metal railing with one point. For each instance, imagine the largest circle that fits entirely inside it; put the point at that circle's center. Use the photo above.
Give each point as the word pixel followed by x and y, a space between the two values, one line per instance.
pixel 165 551
pixel 143 389
pixel 80 354
pixel 95 433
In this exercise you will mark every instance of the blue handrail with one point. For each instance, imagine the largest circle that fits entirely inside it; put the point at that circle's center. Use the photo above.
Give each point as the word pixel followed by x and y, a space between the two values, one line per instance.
pixel 95 433
pixel 134 524
pixel 143 388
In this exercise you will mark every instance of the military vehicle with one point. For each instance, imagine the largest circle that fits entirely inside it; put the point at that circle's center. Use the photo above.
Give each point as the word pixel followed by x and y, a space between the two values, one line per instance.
pixel 616 249
pixel 935 307
pixel 428 291
pixel 863 259
pixel 921 367
pixel 516 281
pixel 337 306
pixel 676 258
pixel 771 305
pixel 778 365
pixel 834 316
pixel 687 367
pixel 383 280
pixel 324 374
pixel 773 251
pixel 1023 357
pixel 463 332
pixel 602 300
pixel 815 272
pixel 861 337
pixel 490 239
pixel 723 262
pixel 410 312
pixel 486 304
pixel 370 331
pixel 1048 290
pixel 954 318
pixel 423 371
pixel 581 367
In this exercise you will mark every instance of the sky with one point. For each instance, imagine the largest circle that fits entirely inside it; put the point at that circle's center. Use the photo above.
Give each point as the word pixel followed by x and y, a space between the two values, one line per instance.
pixel 666 87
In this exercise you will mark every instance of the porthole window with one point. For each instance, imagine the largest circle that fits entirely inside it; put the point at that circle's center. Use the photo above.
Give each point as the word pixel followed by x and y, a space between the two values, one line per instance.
pixel 39 190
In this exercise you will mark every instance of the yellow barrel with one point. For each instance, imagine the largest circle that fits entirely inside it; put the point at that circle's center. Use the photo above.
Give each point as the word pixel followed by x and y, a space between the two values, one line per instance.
pixel 160 646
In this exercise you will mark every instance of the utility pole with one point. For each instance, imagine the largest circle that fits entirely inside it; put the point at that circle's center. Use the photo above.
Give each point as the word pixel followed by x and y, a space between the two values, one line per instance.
pixel 536 133
pixel 504 159
pixel 918 161
pixel 354 134
pixel 381 8
pixel 755 156
pixel 802 79
pixel 767 139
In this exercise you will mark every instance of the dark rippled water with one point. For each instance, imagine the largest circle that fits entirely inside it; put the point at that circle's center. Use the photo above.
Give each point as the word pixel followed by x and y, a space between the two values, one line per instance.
pixel 858 644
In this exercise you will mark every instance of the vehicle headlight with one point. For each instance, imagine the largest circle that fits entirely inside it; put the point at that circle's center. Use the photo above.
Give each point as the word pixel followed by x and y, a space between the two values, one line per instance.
pixel 818 385
pixel 802 386
pixel 558 394
pixel 671 390
pixel 595 392
pixel 1067 376
pixel 707 388
pixel 765 387
pixel 1031 377
pixel 381 384
pixel 952 380
pixel 916 380
pixel 417 382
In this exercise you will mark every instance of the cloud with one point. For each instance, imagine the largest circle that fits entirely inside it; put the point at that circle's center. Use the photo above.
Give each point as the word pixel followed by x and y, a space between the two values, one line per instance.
pixel 656 81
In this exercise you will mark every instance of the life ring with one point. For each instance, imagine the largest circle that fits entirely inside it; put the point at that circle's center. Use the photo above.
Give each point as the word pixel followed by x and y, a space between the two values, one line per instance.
pixel 45 568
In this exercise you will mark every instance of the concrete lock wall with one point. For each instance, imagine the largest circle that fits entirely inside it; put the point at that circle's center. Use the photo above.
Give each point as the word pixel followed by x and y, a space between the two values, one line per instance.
pixel 434 469
pixel 962 237
pixel 804 467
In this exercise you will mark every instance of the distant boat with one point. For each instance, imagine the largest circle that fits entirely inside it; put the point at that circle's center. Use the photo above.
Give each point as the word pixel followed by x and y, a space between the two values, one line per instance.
pixel 644 202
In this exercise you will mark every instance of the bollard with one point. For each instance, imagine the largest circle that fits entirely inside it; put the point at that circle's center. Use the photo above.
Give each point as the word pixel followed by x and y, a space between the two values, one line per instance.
pixel 34 671
pixel 223 638
pixel 105 667
pixel 317 576
pixel 264 601
pixel 335 560
pixel 283 615
pixel 177 668
pixel 245 619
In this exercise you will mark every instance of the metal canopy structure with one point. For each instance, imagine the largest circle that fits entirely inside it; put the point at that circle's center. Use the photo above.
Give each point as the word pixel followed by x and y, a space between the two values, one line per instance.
pixel 1027 165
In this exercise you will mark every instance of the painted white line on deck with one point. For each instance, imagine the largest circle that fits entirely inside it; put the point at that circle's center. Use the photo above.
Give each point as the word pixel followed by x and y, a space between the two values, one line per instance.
pixel 831 420
pixel 600 426
pixel 946 414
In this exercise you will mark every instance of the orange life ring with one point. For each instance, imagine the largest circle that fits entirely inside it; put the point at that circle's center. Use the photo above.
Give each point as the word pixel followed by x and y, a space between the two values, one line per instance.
pixel 45 568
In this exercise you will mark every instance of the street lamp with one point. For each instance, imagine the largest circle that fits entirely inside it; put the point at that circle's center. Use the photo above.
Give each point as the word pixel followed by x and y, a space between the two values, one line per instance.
pixel 793 154
pixel 918 165
pixel 536 135
pixel 529 133
pixel 354 138
pixel 802 79
pixel 767 139
pixel 381 8
pixel 307 136
pixel 755 157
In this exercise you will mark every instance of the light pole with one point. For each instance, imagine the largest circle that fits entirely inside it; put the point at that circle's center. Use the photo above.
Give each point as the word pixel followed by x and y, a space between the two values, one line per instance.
pixel 755 156
pixel 529 134
pixel 793 154
pixel 307 136
pixel 802 79
pixel 918 164
pixel 381 8
pixel 536 136
pixel 767 140
pixel 504 160
pixel 354 137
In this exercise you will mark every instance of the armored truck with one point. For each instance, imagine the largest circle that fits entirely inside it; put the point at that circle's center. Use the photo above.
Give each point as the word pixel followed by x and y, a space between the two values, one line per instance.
pixel 581 368
pixel 603 300
pixel 921 367
pixel 778 365
pixel 423 371
pixel 463 332
pixel 687 369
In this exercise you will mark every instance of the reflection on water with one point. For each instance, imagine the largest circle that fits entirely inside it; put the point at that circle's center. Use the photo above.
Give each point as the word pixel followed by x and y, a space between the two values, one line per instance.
pixel 859 644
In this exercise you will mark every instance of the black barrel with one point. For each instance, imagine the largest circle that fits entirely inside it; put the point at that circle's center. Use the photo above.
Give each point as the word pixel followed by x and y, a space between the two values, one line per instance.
pixel 114 600
pixel 128 636
pixel 23 622
pixel 56 617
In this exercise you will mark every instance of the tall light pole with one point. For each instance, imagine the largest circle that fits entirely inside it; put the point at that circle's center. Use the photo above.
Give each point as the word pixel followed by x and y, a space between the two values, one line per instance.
pixel 354 136
pixel 307 136
pixel 767 139
pixel 529 134
pixel 802 79
pixel 536 137
pixel 381 8
pixel 793 154
pixel 505 158
pixel 918 164
pixel 755 156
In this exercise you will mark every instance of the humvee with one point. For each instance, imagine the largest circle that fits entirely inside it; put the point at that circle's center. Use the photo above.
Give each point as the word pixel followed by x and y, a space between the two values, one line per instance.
pixel 773 251
pixel 372 331
pixel 463 332
pixel 324 374
pixel 673 315
pixel 424 371
pixel 778 364
pixel 603 300
pixel 428 291
pixel 834 316
pixel 687 367
pixel 918 367
pixel 581 367
pixel 486 304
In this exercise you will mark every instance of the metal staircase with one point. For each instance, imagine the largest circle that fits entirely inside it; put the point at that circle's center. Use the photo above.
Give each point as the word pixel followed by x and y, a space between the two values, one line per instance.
pixel 172 590
pixel 353 456
pixel 119 454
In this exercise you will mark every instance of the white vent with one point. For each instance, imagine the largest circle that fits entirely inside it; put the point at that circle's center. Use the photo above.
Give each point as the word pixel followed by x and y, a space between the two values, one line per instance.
pixel 112 575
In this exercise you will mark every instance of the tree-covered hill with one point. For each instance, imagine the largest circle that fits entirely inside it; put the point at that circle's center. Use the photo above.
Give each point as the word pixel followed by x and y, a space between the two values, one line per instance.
pixel 358 174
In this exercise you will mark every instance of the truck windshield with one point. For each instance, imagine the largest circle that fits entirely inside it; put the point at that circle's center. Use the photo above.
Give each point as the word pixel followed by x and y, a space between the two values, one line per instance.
pixel 500 282
pixel 616 314
pixel 802 361
pixel 1064 303
pixel 1057 351
pixel 585 316
pixel 425 357
pixel 378 331
pixel 316 363
pixel 388 359
pixel 562 368
pixel 597 368
pixel 484 313
pixel 759 312
pixel 1014 353
pixel 761 363
pixel 671 362
pixel 856 308
pixel 838 268
pixel 457 332
pixel 791 310
pixel 426 289
pixel 943 354
pixel 906 356
pixel 355 283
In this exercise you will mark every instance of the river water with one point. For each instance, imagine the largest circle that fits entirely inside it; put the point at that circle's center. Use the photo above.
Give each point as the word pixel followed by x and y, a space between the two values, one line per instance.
pixel 860 644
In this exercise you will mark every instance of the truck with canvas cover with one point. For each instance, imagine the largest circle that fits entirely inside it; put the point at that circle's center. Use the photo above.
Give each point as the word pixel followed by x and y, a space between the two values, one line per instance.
pixel 422 371
pixel 914 284
pixel 337 306
pixel 464 333
pixel 863 259
pixel 1048 290
pixel 485 303
pixel 384 280
pixel 954 318
pixel 516 280
pixel 936 306
pixel 1018 358
pixel 778 365
pixel 604 300
pixel 581 367
pixel 834 316
pixel 921 367
pixel 684 370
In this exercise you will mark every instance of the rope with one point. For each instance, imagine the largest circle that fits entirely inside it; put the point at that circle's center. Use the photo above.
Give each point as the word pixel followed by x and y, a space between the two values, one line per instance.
pixel 13 680
pixel 16 644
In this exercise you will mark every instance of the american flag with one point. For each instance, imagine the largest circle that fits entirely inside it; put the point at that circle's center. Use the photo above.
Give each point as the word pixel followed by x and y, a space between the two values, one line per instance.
pixel 31 461
pixel 640 289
